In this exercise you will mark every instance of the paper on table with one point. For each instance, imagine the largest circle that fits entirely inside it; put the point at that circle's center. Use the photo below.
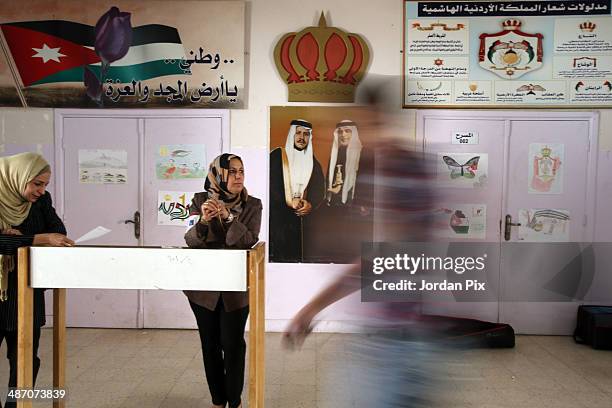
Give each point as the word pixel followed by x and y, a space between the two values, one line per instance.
pixel 93 234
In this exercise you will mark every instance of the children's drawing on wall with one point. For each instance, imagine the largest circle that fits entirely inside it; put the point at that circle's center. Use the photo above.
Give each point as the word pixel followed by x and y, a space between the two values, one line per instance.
pixel 545 168
pixel 182 161
pixel 173 207
pixel 462 221
pixel 103 166
pixel 549 225
pixel 463 170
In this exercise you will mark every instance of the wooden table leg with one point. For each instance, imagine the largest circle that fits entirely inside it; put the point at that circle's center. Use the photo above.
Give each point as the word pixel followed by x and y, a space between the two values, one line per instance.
pixel 59 343
pixel 253 346
pixel 257 329
pixel 25 314
pixel 261 326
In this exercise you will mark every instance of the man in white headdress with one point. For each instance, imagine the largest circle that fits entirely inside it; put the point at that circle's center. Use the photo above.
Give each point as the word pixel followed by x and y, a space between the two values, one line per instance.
pixel 297 186
pixel 343 164
pixel 336 224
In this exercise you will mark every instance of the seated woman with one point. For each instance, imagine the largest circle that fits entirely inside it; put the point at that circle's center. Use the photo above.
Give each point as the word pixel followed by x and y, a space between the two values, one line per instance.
pixel 27 218
pixel 229 218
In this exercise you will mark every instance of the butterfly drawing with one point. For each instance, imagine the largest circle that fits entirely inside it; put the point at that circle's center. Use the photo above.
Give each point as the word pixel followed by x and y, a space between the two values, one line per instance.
pixel 467 170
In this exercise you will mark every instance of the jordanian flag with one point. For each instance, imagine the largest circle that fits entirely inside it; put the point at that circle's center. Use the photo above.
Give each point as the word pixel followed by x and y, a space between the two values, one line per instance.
pixel 58 51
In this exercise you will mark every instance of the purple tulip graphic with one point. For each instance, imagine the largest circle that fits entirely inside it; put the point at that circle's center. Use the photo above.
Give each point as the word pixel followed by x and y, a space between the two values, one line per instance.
pixel 113 35
pixel 94 87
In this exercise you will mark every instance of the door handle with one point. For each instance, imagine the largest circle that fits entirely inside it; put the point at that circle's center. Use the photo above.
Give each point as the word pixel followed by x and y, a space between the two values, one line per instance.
pixel 136 222
pixel 508 225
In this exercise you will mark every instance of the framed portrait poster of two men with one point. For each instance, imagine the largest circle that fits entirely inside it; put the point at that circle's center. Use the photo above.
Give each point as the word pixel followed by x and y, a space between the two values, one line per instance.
pixel 318 201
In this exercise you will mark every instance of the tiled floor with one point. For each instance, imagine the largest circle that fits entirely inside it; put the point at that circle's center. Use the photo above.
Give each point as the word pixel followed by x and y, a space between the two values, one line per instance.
pixel 163 368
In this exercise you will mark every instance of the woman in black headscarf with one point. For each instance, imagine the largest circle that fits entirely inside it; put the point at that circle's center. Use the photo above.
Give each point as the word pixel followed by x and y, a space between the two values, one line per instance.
pixel 27 218
pixel 229 218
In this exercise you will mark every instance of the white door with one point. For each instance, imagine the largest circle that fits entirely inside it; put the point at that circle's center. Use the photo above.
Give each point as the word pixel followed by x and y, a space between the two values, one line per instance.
pixel 476 200
pixel 143 140
pixel 541 171
pixel 89 198
pixel 170 309
pixel 550 195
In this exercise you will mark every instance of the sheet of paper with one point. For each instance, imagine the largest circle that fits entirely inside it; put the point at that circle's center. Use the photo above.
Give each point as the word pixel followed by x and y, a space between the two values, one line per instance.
pixel 93 234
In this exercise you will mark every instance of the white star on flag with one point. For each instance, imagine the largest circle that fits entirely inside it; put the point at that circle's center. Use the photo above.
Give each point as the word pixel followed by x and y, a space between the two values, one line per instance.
pixel 47 53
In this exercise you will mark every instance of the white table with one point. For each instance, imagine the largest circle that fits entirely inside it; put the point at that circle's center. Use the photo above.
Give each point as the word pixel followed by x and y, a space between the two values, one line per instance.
pixel 136 268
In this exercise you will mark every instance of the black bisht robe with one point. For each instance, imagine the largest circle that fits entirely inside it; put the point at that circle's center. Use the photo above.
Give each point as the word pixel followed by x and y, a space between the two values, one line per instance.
pixel 342 227
pixel 286 230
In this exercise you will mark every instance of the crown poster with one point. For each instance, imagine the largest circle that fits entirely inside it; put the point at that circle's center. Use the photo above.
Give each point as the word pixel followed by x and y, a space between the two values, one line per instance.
pixel 122 54
pixel 321 64
pixel 507 54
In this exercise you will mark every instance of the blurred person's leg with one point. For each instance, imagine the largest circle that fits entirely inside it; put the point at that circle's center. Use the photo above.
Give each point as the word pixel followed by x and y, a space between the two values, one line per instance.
pixel 395 368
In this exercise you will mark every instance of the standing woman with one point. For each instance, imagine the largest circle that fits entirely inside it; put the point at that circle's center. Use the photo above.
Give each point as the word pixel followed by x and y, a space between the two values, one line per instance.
pixel 229 218
pixel 27 218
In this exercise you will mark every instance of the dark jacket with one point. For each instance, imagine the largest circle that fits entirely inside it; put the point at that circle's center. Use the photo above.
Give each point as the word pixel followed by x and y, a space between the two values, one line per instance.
pixel 242 233
pixel 41 219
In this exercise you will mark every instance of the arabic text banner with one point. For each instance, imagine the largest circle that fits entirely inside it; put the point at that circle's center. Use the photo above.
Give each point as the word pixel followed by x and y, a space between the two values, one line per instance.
pixel 124 53
pixel 510 54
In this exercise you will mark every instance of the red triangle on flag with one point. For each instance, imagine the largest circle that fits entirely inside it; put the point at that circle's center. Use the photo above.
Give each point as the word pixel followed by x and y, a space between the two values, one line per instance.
pixel 22 42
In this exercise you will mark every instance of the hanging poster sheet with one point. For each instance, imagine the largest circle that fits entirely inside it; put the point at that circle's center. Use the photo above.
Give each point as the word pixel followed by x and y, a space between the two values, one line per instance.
pixel 122 54
pixel 461 221
pixel 544 225
pixel 103 166
pixel 181 162
pixel 95 233
pixel 510 54
pixel 462 170
pixel 173 208
pixel 546 168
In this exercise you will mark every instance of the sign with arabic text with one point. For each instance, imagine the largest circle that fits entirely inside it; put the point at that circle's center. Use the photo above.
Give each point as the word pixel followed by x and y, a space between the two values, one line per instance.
pixel 508 54
pixel 173 207
pixel 464 138
pixel 122 54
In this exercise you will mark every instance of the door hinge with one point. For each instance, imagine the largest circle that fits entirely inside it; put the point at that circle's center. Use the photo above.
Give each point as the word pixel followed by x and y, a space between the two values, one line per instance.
pixel 584 221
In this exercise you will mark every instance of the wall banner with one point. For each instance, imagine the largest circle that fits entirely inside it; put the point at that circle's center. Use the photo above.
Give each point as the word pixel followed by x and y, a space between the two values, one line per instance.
pixel 507 54
pixel 122 54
